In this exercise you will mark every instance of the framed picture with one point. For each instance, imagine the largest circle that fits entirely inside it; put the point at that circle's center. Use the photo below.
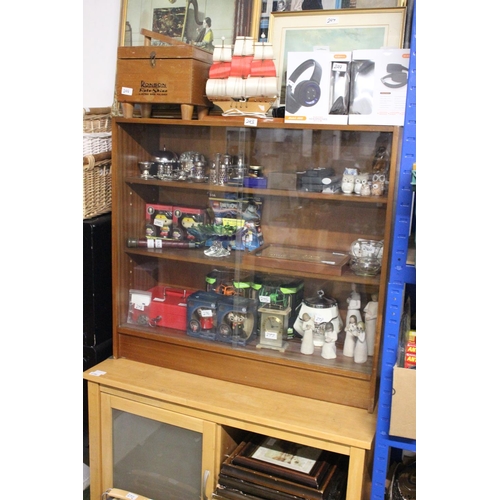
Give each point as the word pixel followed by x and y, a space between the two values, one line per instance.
pixel 340 30
pixel 295 462
pixel 188 20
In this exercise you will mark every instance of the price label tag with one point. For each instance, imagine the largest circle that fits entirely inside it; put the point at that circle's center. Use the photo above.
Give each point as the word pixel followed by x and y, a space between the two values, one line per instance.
pixel 251 122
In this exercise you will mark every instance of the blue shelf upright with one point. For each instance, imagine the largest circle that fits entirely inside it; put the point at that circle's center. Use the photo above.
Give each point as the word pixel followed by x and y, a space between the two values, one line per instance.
pixel 400 274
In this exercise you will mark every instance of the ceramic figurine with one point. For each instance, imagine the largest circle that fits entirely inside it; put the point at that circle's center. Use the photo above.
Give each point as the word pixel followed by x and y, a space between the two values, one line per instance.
pixel 365 189
pixel 358 182
pixel 347 184
pixel 307 345
pixel 360 349
pixel 378 184
pixel 371 311
pixel 350 337
pixel 329 349
pixel 353 318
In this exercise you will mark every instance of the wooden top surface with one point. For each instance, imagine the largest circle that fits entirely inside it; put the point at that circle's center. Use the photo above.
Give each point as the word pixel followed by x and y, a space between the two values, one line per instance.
pixel 234 404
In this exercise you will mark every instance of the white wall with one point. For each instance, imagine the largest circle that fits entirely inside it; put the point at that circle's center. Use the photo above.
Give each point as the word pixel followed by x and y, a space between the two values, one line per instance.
pixel 101 23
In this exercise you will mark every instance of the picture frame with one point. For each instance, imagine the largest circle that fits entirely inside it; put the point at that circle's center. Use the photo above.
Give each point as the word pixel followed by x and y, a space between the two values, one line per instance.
pixel 304 465
pixel 340 30
pixel 229 18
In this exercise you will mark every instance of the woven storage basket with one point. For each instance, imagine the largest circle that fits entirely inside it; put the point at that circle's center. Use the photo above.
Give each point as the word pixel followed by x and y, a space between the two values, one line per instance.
pixel 94 144
pixel 96 120
pixel 96 185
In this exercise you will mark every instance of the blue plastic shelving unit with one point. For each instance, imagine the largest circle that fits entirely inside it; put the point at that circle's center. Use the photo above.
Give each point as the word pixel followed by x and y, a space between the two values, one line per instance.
pixel 400 274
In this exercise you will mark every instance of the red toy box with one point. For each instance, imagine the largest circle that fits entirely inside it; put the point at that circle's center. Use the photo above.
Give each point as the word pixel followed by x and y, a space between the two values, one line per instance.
pixel 168 307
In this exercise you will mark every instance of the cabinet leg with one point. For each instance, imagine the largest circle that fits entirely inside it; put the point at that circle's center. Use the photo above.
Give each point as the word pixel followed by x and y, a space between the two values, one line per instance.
pixel 202 112
pixel 146 110
pixel 187 111
pixel 357 464
pixel 127 109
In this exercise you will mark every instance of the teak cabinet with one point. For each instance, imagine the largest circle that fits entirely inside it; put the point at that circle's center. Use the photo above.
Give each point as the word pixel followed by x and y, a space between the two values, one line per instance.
pixel 326 222
pixel 139 413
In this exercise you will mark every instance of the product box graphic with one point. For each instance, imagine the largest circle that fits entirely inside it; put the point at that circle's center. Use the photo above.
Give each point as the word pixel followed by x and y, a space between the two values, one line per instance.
pixel 159 221
pixel 308 81
pixel 185 218
pixel 236 320
pixel 340 84
pixel 379 82
pixel 238 218
pixel 202 314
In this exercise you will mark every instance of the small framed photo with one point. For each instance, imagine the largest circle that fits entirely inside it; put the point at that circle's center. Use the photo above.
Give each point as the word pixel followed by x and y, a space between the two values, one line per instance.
pixel 294 462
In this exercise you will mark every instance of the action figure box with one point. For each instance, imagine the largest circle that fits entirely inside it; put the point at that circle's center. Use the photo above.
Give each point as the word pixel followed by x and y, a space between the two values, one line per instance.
pixel 159 221
pixel 185 218
pixel 236 320
pixel 202 314
pixel 379 82
pixel 239 219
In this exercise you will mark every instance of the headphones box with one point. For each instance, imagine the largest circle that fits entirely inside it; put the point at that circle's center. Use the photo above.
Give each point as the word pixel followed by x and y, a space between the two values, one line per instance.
pixel 340 84
pixel 307 97
pixel 379 81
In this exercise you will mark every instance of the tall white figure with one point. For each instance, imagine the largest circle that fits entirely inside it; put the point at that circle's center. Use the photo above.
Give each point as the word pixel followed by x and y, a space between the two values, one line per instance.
pixel 329 349
pixel 360 349
pixel 353 318
pixel 371 312
pixel 307 345
pixel 350 337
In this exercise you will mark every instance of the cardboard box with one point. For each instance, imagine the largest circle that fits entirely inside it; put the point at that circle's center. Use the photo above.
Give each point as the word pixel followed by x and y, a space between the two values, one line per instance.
pixel 379 81
pixel 404 399
pixel 159 221
pixel 340 84
pixel 318 87
pixel 307 97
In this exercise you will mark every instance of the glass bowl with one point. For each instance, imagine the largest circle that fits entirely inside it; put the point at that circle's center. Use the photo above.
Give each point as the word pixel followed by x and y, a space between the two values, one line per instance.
pixel 365 266
pixel 367 248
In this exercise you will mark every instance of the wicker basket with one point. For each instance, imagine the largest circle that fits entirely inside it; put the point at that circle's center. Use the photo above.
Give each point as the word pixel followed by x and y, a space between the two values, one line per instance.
pixel 96 120
pixel 96 185
pixel 94 144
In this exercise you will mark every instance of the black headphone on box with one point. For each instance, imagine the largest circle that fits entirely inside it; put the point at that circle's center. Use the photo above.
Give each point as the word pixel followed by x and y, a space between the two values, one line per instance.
pixel 397 76
pixel 305 93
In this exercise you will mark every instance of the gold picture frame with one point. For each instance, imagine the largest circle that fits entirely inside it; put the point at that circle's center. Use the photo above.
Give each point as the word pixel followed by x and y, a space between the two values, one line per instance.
pixel 229 18
pixel 340 29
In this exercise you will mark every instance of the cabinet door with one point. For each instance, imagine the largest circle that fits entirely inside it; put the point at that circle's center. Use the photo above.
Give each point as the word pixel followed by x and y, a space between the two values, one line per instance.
pixel 154 452
pixel 290 241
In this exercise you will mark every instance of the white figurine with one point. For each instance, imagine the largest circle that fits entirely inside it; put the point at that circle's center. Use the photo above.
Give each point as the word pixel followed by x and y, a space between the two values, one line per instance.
pixel 307 345
pixel 353 318
pixel 371 311
pixel 347 184
pixel 329 349
pixel 360 350
pixel 350 337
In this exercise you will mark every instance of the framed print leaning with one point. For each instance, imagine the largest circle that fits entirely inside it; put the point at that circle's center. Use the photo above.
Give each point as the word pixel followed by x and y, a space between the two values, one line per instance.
pixel 190 21
pixel 340 30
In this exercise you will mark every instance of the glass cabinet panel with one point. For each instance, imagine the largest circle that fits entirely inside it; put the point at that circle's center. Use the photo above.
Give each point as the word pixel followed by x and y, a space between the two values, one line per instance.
pixel 155 459
pixel 212 270
pixel 155 453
